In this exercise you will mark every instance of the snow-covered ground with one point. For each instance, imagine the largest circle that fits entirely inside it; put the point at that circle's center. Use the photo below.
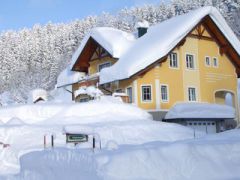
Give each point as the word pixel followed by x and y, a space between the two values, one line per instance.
pixel 213 157
pixel 133 145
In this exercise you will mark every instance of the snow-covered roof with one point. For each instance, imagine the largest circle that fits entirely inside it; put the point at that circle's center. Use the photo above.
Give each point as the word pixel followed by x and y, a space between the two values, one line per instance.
pixel 115 41
pixel 36 94
pixel 200 110
pixel 68 77
pixel 160 40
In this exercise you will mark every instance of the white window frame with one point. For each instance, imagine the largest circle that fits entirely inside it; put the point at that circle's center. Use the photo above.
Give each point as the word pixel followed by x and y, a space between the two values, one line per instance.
pixel 164 101
pixel 127 92
pixel 178 64
pixel 208 65
pixel 146 101
pixel 103 64
pixel 188 95
pixel 213 64
pixel 194 63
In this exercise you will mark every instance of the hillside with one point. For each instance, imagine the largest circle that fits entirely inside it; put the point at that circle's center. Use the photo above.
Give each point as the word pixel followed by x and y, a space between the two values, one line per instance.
pixel 33 58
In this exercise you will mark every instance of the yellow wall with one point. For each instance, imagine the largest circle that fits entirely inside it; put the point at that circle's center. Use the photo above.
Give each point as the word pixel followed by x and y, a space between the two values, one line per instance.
pixel 206 80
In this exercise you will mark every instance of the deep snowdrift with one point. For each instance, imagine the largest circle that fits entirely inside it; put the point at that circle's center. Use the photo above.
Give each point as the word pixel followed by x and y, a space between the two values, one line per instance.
pixel 114 121
pixel 109 108
pixel 214 157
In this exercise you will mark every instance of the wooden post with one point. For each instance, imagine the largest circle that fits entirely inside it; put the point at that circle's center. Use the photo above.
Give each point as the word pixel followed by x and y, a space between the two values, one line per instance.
pixel 44 141
pixel 52 140
pixel 194 133
pixel 94 142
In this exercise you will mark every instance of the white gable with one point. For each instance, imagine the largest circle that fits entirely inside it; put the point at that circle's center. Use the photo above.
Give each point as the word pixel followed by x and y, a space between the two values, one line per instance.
pixel 115 41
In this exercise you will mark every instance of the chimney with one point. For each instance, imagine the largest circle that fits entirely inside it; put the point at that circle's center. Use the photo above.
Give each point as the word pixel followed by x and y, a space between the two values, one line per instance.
pixel 142 28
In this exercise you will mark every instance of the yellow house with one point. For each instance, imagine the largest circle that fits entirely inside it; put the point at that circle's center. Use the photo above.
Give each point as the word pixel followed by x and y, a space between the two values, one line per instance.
pixel 192 58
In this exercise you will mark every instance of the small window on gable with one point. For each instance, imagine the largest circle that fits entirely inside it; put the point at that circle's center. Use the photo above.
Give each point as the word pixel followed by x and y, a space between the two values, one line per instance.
pixel 190 61
pixel 207 61
pixel 173 60
pixel 104 65
pixel 215 62
pixel 104 53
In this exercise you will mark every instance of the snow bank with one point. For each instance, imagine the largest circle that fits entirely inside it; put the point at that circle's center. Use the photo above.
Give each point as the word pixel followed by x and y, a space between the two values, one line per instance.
pixel 15 121
pixel 107 109
pixel 204 158
pixel 6 99
pixel 115 41
pixel 200 110
pixel 68 77
pixel 108 118
pixel 61 95
pixel 195 159
pixel 160 40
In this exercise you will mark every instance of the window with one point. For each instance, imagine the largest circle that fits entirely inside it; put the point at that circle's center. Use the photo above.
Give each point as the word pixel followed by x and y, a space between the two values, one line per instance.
pixel 207 61
pixel 215 62
pixel 190 61
pixel 192 94
pixel 164 93
pixel 107 86
pixel 104 65
pixel 129 93
pixel 173 60
pixel 84 99
pixel 146 93
pixel 104 53
pixel 119 91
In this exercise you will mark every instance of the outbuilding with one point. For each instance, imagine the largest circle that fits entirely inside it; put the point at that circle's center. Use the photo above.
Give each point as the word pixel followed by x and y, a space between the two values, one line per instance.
pixel 205 117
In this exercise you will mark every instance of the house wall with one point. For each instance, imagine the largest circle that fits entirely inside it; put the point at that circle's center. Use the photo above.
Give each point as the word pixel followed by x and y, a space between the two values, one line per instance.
pixel 206 80
pixel 93 68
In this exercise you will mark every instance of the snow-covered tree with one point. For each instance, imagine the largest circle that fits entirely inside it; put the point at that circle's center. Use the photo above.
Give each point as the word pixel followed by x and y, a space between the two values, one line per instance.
pixel 33 58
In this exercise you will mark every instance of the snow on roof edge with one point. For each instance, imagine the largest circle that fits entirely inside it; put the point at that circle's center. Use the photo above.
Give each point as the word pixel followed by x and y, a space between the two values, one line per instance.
pixel 98 35
pixel 200 110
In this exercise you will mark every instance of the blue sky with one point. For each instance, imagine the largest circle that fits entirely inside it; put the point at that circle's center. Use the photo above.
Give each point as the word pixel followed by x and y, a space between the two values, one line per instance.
pixel 16 14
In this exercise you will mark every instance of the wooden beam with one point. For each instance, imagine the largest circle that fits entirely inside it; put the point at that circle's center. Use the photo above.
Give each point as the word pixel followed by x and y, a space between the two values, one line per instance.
pixel 181 43
pixel 202 37
pixel 224 49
